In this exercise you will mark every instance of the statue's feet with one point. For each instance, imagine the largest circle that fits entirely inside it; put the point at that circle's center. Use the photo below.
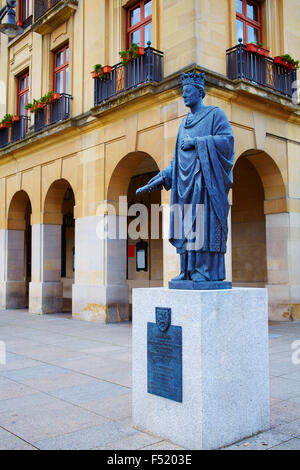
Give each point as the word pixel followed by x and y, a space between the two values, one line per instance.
pixel 196 276
pixel 182 277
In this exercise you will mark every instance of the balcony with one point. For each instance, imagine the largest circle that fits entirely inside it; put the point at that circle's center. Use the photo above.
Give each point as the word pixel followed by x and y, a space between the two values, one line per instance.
pixel 17 131
pixel 49 14
pixel 260 70
pixel 147 68
pixel 52 113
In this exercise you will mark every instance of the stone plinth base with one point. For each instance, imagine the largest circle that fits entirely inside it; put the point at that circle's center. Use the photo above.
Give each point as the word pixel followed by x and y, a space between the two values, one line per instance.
pixel 96 303
pixel 225 366
pixel 200 285
pixel 12 295
pixel 45 297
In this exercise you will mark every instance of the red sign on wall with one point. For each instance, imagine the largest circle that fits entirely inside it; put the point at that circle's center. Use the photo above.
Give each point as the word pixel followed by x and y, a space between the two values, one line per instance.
pixel 131 251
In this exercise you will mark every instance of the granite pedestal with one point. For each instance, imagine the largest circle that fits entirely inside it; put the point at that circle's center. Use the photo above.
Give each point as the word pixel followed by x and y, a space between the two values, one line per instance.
pixel 225 366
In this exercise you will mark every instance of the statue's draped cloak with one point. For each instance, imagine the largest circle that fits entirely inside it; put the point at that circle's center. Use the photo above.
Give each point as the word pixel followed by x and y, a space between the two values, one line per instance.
pixel 203 175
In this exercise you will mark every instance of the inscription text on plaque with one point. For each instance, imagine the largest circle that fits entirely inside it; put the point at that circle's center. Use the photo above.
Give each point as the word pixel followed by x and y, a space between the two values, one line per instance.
pixel 165 357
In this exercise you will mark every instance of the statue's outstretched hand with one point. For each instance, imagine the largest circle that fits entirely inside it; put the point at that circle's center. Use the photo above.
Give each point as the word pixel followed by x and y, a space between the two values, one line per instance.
pixel 153 185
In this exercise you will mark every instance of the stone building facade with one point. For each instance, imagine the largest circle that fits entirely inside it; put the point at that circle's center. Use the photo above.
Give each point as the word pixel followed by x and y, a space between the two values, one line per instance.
pixel 62 167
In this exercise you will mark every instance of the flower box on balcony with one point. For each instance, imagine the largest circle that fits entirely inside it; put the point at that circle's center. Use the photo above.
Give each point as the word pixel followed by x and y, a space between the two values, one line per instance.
pixel 41 105
pixel 15 118
pixel 257 49
pixel 285 63
pixel 140 51
pixel 54 97
pixel 106 69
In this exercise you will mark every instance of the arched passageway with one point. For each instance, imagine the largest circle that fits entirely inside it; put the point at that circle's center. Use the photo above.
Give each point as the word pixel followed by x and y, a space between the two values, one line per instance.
pixel 259 218
pixel 17 261
pixel 147 272
pixel 51 289
pixel 119 270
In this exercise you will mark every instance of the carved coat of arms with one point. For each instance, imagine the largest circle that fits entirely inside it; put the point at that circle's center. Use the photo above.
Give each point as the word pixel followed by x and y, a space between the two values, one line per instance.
pixel 163 318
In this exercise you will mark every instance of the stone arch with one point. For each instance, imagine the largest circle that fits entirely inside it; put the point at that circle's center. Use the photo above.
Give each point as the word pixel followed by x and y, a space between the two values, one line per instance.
pixel 53 202
pixel 17 208
pixel 268 171
pixel 258 190
pixel 18 252
pixel 119 180
pixel 132 171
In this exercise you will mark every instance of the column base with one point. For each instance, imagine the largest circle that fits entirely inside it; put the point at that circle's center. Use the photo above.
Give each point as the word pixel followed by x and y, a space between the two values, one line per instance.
pixel 284 302
pixel 12 295
pixel 215 353
pixel 104 304
pixel 45 297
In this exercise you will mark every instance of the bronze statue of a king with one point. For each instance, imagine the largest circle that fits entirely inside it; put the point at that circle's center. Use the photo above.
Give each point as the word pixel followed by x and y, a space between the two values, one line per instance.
pixel 199 176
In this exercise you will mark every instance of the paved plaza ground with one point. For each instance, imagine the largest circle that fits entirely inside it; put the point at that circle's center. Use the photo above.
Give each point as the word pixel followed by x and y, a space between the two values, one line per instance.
pixel 67 385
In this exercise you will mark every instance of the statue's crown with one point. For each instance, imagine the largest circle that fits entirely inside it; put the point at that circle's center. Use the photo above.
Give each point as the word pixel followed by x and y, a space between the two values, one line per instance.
pixel 193 78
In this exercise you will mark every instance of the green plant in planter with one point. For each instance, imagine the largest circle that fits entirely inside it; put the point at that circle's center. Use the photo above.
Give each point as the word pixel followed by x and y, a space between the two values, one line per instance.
pixel 46 98
pixel 97 71
pixel 129 54
pixel 7 120
pixel 290 59
pixel 33 107
pixel 98 68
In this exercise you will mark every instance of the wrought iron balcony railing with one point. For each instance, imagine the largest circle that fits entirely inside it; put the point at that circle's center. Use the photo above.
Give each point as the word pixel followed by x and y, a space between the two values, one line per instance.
pixel 53 113
pixel 260 70
pixel 146 68
pixel 17 131
pixel 42 6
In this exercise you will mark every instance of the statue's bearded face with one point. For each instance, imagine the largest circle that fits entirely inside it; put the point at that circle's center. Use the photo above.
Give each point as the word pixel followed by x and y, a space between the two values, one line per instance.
pixel 191 95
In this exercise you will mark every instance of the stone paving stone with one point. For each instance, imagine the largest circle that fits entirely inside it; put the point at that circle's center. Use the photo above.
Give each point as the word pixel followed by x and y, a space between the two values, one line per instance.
pixel 113 408
pixel 293 376
pixel 138 441
pixel 89 438
pixel 163 445
pixel 89 392
pixel 292 428
pixel 50 353
pixel 293 444
pixel 11 390
pixel 262 441
pixel 57 382
pixel 38 371
pixel 10 442
pixel 295 400
pixel 15 364
pixel 121 376
pixel 47 422
pixel 36 400
pixel 284 388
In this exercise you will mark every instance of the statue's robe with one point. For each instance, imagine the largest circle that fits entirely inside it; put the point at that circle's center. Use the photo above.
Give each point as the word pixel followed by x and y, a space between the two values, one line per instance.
pixel 202 175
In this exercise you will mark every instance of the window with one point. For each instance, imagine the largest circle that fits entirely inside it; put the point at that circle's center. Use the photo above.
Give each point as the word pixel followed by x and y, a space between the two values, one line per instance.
pixel 248 21
pixel 61 70
pixel 25 12
pixel 23 94
pixel 139 23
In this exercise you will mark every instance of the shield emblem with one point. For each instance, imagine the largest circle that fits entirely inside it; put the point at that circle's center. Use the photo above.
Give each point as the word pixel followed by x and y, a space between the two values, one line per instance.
pixel 163 318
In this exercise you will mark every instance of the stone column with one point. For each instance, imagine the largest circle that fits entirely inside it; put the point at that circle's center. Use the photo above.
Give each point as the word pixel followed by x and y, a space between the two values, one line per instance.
pixel 100 292
pixel 45 290
pixel 283 261
pixel 12 269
